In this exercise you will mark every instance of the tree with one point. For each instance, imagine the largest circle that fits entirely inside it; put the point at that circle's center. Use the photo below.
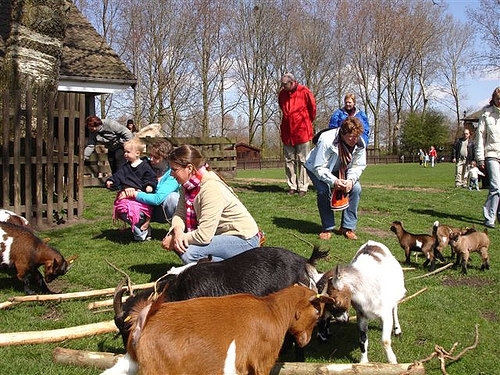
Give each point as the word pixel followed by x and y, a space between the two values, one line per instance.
pixel 456 53
pixel 485 20
pixel 422 130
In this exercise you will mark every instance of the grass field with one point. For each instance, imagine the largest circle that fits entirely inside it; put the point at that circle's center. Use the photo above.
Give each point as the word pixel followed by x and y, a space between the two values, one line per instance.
pixel 446 313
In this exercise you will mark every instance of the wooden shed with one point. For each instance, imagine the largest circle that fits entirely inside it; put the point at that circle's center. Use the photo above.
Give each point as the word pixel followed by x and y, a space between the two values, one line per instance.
pixel 43 134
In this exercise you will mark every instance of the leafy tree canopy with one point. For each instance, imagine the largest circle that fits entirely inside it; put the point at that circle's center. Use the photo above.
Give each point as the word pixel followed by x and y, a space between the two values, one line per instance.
pixel 422 130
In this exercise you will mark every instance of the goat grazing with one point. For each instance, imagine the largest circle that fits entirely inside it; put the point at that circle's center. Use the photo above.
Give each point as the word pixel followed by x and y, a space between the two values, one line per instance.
pixel 423 243
pixel 373 283
pixel 235 334
pixel 7 216
pixel 22 250
pixel 464 244
pixel 258 271
pixel 442 234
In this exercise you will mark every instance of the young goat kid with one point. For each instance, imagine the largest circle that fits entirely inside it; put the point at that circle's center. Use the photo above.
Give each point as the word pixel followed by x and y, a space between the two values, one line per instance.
pixel 373 283
pixel 235 334
pixel 423 243
pixel 464 244
pixel 442 235
pixel 22 250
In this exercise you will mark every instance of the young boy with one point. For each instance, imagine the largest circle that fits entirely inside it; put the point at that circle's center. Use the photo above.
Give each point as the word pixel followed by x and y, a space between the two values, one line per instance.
pixel 137 174
pixel 473 175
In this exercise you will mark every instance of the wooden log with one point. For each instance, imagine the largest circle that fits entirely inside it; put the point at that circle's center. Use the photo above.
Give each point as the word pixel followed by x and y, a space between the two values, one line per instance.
pixel 105 360
pixel 56 335
pixel 103 303
pixel 307 368
pixel 65 296
pixel 102 360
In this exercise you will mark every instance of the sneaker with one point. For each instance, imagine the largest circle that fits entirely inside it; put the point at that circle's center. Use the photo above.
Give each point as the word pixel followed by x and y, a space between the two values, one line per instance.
pixel 489 225
pixel 347 233
pixel 302 193
pixel 325 235
pixel 148 236
pixel 350 235
pixel 292 191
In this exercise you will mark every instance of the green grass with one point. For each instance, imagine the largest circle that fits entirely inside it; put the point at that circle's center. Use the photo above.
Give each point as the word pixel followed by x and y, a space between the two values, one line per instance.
pixel 446 313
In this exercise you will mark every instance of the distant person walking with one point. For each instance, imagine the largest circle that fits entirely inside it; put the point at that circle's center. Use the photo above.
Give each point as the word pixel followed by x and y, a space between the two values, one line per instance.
pixel 433 156
pixel 488 155
pixel 463 153
pixel 112 135
pixel 298 108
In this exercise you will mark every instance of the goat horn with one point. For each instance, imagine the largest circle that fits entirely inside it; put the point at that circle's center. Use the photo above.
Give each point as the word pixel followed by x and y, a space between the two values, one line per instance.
pixel 117 298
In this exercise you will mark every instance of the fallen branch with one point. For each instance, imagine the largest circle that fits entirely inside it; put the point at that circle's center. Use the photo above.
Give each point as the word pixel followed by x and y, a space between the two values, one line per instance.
pixel 413 295
pixel 433 272
pixel 104 303
pixel 104 360
pixel 56 335
pixel 444 355
pixel 65 296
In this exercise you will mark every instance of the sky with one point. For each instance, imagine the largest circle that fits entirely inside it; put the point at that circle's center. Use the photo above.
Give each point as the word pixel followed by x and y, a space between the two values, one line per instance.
pixel 479 89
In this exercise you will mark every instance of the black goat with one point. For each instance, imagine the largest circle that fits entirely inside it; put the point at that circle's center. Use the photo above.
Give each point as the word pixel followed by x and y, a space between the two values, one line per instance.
pixel 258 271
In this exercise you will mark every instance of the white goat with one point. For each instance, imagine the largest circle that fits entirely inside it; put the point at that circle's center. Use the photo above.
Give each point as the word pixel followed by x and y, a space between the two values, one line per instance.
pixel 374 284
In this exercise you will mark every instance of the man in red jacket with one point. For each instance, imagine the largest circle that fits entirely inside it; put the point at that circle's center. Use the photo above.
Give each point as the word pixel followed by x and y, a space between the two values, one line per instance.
pixel 298 106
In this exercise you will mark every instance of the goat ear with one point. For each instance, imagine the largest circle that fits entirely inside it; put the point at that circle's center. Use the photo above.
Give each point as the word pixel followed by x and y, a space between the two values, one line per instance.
pixel 338 272
pixel 297 315
pixel 50 266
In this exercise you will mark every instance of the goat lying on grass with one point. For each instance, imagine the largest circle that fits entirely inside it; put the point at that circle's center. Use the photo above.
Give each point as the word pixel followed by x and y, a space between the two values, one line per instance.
pixel 22 250
pixel 373 283
pixel 464 244
pixel 423 243
pixel 235 334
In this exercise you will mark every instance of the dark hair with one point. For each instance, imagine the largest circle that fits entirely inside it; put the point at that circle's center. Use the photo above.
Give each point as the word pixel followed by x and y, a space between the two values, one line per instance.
pixel 160 149
pixel 185 155
pixel 93 121
pixel 352 125
pixel 495 94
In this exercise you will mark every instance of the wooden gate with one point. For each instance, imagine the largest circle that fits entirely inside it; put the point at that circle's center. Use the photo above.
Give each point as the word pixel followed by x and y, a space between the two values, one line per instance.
pixel 41 142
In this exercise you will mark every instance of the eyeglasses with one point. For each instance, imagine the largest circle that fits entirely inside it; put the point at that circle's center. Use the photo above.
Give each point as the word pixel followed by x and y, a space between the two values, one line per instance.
pixel 285 83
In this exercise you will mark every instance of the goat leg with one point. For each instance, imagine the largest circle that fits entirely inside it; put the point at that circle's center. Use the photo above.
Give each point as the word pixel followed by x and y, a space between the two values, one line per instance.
pixel 40 281
pixel 363 338
pixel 26 282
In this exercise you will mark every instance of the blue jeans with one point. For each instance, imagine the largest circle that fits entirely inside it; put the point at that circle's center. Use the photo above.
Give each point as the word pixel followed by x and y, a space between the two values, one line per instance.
pixel 323 199
pixel 490 209
pixel 221 247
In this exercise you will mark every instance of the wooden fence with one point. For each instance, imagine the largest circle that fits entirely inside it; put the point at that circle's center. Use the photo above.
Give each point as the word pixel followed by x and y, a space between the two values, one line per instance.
pixel 214 149
pixel 41 147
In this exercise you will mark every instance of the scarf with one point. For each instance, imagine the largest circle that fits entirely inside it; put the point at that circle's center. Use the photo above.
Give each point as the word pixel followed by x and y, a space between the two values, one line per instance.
pixel 191 190
pixel 345 155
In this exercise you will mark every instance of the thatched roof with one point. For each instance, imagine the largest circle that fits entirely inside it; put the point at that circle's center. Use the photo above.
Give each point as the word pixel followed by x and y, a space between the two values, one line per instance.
pixel 88 63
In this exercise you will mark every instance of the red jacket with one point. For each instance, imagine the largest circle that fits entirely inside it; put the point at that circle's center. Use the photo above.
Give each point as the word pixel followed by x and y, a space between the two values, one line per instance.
pixel 299 111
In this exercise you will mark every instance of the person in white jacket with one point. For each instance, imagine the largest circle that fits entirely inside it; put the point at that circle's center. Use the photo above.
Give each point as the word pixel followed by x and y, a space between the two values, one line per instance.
pixel 488 155
pixel 336 164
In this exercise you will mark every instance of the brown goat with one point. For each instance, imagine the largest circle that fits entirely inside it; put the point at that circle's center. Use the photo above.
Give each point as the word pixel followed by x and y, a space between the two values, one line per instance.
pixel 239 333
pixel 22 250
pixel 464 244
pixel 423 243
pixel 442 235
pixel 7 216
